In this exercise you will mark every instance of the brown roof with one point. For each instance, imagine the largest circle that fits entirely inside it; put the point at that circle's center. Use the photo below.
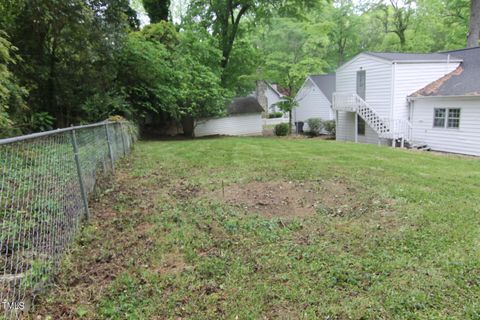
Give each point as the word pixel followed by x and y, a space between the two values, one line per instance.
pixel 244 105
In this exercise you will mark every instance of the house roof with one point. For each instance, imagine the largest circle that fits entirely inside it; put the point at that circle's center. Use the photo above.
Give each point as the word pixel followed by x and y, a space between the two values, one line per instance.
pixel 463 81
pixel 326 83
pixel 244 105
pixel 411 57
pixel 269 85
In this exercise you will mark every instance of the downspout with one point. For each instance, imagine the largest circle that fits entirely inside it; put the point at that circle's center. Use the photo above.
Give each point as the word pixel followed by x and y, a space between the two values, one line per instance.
pixel 392 99
pixel 392 91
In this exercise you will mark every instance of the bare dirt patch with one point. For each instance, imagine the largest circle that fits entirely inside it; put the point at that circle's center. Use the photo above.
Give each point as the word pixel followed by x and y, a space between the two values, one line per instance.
pixel 184 190
pixel 298 199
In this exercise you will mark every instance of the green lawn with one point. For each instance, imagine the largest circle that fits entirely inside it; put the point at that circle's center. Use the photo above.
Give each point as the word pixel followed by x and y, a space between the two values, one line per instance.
pixel 391 234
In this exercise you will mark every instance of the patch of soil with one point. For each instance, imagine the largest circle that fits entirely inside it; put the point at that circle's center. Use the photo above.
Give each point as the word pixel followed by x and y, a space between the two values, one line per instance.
pixel 298 199
pixel 184 191
pixel 172 262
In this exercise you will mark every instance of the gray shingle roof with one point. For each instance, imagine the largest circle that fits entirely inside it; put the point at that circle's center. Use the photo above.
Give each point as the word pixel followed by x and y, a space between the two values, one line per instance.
pixel 244 105
pixel 326 83
pixel 463 81
pixel 396 56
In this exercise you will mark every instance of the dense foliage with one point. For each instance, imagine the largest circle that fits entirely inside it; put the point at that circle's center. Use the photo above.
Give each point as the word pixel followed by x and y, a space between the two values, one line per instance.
pixel 281 129
pixel 315 126
pixel 72 61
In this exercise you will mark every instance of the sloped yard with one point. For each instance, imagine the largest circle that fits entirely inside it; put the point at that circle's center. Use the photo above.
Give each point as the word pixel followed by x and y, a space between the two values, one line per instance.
pixel 268 228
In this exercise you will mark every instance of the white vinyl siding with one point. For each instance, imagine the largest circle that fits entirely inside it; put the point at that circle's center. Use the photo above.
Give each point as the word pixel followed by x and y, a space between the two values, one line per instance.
pixel 272 99
pixel 312 103
pixel 346 130
pixel 237 125
pixel 378 81
pixel 377 94
pixel 465 139
pixel 410 77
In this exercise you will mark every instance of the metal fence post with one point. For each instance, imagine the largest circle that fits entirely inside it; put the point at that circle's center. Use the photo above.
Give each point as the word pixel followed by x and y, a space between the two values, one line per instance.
pixel 123 139
pixel 110 147
pixel 80 176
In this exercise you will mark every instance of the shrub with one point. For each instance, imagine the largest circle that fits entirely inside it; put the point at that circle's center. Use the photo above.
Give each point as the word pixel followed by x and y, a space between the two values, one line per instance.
pixel 330 127
pixel 275 115
pixel 315 126
pixel 281 129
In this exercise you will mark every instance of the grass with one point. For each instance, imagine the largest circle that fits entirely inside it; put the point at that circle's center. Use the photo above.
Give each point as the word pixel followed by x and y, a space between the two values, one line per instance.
pixel 163 244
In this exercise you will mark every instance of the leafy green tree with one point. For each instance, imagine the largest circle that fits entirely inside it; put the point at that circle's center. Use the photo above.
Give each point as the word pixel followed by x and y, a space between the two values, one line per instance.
pixel 157 9
pixel 202 94
pixel 163 72
pixel 11 93
pixel 224 18
pixel 343 32
pixel 293 50
pixel 147 75
pixel 287 104
pixel 67 48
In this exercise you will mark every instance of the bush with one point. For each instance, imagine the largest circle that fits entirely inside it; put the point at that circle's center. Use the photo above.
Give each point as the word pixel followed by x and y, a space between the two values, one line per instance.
pixel 330 127
pixel 275 115
pixel 281 129
pixel 315 126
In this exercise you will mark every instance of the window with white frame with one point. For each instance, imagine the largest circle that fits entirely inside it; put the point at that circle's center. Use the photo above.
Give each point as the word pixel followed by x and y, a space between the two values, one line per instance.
pixel 446 118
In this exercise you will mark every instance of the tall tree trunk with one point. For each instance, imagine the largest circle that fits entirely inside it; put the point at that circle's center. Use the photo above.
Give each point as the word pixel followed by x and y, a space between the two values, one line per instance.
pixel 188 124
pixel 230 29
pixel 474 29
pixel 290 122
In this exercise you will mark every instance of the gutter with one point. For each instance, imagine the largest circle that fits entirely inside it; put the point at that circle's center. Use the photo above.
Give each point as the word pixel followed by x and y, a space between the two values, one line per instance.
pixel 409 98
pixel 427 61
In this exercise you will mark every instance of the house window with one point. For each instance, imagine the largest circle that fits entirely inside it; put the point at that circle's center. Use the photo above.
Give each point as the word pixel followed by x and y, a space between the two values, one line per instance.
pixel 360 126
pixel 453 118
pixel 446 118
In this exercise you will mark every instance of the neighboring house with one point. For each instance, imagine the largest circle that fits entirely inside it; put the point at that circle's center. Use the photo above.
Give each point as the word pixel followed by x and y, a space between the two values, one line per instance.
pixel 244 117
pixel 445 114
pixel 268 95
pixel 372 89
pixel 315 99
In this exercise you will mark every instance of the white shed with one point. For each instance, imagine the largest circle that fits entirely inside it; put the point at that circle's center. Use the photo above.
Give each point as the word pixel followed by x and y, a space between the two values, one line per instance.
pixel 445 115
pixel 315 99
pixel 244 117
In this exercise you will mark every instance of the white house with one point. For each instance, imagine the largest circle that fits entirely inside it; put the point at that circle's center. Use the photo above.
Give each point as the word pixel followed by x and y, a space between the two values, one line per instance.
pixel 244 117
pixel 445 114
pixel 268 95
pixel 315 99
pixel 371 93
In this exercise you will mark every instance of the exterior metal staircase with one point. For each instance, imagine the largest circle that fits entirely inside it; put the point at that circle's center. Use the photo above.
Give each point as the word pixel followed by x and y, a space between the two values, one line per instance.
pixel 387 128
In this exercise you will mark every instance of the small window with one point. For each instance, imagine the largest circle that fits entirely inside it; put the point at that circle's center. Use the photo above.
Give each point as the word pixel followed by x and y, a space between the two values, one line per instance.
pixel 453 118
pixel 360 126
pixel 439 118
pixel 446 118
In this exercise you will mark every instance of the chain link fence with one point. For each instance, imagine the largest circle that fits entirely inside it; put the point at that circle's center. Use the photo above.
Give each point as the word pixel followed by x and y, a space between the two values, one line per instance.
pixel 44 186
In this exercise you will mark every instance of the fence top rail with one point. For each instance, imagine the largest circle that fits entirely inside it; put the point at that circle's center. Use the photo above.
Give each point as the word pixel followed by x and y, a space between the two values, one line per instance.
pixel 52 132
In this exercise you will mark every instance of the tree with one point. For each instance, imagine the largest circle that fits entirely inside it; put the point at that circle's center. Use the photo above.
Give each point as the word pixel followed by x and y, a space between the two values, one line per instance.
pixel 11 93
pixel 396 18
pixel 344 30
pixel 293 50
pixel 224 17
pixel 287 104
pixel 167 73
pixel 474 27
pixel 67 48
pixel 202 94
pixel 157 10
pixel 147 75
